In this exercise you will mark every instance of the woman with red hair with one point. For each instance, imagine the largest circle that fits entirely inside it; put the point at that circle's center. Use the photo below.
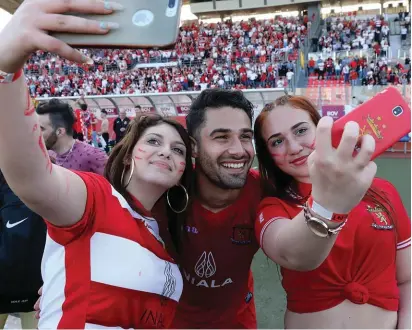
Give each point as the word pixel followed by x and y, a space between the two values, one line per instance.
pixel 341 236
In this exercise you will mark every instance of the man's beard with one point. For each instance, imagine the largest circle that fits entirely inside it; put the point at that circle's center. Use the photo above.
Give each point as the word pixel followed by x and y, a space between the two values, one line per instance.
pixel 51 141
pixel 215 173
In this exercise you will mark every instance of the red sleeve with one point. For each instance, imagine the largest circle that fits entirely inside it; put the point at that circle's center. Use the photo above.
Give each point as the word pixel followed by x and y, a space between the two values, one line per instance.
pixel 269 210
pixel 97 190
pixel 401 218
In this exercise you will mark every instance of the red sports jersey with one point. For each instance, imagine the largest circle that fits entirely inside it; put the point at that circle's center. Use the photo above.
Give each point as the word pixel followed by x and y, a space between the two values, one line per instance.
pixel 361 266
pixel 77 126
pixel 216 257
pixel 109 269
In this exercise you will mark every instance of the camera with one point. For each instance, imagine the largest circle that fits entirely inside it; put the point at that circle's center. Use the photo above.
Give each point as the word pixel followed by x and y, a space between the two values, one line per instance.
pixel 171 9
pixel 397 111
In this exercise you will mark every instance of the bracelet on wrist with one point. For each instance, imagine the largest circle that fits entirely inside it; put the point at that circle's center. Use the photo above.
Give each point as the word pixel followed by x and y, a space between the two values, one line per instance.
pixel 319 226
pixel 319 211
pixel 7 78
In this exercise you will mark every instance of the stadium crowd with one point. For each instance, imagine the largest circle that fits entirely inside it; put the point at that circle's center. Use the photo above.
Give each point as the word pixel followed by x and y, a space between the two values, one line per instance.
pixel 349 33
pixel 358 71
pixel 245 54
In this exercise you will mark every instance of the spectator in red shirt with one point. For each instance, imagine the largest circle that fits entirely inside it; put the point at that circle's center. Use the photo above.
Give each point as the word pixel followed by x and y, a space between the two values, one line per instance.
pixel 353 76
pixel 311 65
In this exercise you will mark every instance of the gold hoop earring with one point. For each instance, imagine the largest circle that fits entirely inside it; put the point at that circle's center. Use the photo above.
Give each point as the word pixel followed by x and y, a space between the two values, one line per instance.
pixel 130 176
pixel 186 203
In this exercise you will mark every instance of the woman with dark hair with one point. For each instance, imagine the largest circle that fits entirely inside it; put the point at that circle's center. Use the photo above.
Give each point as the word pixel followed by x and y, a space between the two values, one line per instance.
pixel 344 255
pixel 104 263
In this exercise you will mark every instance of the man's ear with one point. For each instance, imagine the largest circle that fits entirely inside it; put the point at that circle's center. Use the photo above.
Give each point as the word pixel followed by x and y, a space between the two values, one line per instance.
pixel 61 131
pixel 195 151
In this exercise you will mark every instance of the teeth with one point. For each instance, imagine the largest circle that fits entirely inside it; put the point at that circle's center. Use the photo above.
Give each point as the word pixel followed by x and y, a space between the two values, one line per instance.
pixel 234 165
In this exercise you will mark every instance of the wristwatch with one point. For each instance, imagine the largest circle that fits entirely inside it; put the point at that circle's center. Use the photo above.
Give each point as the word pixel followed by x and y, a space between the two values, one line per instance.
pixel 6 78
pixel 318 219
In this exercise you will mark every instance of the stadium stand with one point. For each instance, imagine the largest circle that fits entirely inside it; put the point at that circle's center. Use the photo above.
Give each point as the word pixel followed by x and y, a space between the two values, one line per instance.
pixel 339 61
pixel 246 54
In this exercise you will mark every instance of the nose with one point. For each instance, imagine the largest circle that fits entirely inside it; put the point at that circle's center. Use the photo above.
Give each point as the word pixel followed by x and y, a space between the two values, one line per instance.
pixel 236 148
pixel 165 152
pixel 294 147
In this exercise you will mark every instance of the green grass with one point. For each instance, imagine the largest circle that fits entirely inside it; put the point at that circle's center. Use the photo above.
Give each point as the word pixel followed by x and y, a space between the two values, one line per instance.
pixel 269 294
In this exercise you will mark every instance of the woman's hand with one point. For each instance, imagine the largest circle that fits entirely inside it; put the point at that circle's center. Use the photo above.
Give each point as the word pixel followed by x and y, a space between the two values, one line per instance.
pixel 339 180
pixel 28 29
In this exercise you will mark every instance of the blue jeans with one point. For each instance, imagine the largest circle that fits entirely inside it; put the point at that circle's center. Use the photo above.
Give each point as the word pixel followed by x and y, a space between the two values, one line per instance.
pixel 94 139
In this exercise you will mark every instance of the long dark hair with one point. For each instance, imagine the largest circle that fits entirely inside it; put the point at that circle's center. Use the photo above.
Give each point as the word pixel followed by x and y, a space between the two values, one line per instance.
pixel 121 154
pixel 277 183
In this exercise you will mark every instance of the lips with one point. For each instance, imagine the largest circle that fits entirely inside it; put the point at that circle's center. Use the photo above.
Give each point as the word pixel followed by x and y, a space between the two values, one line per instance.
pixel 299 161
pixel 161 164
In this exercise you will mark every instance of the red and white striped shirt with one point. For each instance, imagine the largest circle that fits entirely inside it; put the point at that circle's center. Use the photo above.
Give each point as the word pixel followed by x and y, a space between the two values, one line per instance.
pixel 109 270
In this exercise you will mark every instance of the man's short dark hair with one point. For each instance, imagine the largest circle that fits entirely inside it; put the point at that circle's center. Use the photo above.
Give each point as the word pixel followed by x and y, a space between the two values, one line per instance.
pixel 138 107
pixel 83 106
pixel 61 114
pixel 215 98
pixel 104 111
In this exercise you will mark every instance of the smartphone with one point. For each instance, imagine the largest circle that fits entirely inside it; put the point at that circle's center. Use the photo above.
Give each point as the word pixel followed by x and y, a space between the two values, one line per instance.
pixel 143 24
pixel 386 117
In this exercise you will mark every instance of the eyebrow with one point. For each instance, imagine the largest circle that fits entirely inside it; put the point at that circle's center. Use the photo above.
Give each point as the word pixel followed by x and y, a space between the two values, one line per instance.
pixel 161 136
pixel 227 130
pixel 292 128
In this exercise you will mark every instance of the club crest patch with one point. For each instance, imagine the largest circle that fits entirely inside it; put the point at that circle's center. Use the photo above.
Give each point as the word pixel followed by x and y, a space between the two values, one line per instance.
pixel 380 218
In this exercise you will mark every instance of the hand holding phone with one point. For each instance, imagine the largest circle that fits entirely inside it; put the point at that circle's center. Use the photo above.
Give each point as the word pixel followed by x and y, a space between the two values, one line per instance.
pixel 386 117
pixel 141 24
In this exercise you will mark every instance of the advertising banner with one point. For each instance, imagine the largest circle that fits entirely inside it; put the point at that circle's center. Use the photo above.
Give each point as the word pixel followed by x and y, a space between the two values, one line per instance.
pixel 111 112
pixel 334 111
pixel 147 109
pixel 166 110
pixel 130 112
pixel 183 109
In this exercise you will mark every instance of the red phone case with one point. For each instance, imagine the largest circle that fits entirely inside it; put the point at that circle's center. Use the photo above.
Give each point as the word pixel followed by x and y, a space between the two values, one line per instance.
pixel 381 117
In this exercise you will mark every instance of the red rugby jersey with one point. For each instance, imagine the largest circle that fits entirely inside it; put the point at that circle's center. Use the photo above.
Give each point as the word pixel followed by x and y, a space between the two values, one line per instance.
pixel 77 125
pixel 361 266
pixel 216 257
pixel 109 269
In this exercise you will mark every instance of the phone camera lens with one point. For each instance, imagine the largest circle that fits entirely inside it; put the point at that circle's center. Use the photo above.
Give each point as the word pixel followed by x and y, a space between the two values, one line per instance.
pixel 397 111
pixel 172 3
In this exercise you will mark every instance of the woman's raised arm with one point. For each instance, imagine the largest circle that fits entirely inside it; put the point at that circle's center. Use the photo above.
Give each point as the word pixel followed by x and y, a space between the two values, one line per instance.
pixel 53 192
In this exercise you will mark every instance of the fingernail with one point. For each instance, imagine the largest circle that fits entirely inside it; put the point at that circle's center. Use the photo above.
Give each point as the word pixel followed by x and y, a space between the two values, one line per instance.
pixel 109 25
pixel 113 6
pixel 87 60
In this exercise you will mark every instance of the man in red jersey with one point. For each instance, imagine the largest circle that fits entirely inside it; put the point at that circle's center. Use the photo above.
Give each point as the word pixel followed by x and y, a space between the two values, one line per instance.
pixel 219 243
